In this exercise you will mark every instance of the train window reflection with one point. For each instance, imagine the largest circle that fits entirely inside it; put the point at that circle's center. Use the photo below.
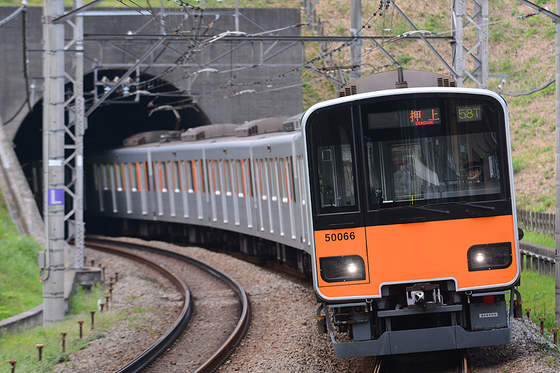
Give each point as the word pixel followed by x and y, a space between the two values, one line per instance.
pixel 434 170
pixel 429 151
pixel 336 177
pixel 332 135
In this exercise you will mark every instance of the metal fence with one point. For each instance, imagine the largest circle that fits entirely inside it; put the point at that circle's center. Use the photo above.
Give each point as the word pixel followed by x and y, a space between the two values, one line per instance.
pixel 539 222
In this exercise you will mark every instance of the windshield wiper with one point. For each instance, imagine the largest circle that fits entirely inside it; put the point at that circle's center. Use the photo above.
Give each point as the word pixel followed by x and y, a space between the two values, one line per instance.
pixel 491 208
pixel 429 209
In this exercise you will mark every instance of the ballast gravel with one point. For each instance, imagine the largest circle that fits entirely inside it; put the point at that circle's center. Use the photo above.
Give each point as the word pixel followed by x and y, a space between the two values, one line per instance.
pixel 283 333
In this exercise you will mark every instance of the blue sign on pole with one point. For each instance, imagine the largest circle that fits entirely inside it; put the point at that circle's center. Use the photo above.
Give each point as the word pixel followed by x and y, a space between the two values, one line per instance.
pixel 56 197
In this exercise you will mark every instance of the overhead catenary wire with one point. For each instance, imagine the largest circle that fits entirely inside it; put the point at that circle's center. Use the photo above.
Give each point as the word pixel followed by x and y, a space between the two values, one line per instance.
pixel 526 93
pixel 198 45
pixel 12 16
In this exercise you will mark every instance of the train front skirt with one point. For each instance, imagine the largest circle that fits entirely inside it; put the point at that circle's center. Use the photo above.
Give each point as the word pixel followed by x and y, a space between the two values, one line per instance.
pixel 491 324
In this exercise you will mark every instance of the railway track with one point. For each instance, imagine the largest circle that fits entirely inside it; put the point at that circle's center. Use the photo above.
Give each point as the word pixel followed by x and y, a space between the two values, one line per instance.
pixel 187 335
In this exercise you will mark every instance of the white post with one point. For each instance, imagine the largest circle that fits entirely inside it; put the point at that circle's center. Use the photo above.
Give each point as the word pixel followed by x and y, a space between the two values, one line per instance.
pixel 53 161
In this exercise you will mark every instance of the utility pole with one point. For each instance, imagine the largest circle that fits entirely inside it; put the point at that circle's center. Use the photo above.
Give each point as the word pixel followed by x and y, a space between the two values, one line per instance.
pixel 53 161
pixel 356 47
pixel 557 230
pixel 75 130
pixel 460 53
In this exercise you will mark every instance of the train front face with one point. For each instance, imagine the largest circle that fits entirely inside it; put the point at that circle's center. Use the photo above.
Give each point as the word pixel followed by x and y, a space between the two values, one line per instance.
pixel 415 235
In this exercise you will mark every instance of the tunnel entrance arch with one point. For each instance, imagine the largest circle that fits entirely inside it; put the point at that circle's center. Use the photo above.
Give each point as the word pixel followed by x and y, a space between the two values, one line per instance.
pixel 131 109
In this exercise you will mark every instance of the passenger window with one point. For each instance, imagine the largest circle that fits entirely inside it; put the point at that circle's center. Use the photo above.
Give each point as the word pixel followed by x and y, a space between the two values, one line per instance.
pixel 118 177
pixel 189 176
pixel 272 178
pixel 176 177
pixel 227 176
pixel 133 168
pixel 239 180
pixel 96 176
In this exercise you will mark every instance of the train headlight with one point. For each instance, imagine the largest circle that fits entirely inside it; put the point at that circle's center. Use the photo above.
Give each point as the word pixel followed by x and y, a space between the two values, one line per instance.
pixel 342 268
pixel 490 256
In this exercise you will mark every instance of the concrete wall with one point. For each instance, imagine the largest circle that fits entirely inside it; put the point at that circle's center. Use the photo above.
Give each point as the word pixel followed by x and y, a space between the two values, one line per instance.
pixel 122 54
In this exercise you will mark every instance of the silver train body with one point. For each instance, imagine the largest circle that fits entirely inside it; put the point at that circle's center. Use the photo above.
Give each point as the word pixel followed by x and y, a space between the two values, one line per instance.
pixel 238 183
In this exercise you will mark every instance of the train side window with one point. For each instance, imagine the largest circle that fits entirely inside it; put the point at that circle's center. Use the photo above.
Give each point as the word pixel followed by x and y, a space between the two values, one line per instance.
pixel 176 177
pixel 261 175
pixel 283 180
pixel 96 176
pixel 106 175
pixel 227 176
pixel 199 165
pixel 291 185
pixel 137 177
pixel 334 172
pixel 144 175
pixel 133 177
pixel 215 177
pixel 118 176
pixel 272 178
pixel 189 176
pixel 162 171
pixel 248 170
pixel 240 181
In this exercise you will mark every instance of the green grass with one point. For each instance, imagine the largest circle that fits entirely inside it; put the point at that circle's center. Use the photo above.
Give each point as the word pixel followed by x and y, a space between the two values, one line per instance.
pixel 22 346
pixel 20 288
pixel 541 239
pixel 537 293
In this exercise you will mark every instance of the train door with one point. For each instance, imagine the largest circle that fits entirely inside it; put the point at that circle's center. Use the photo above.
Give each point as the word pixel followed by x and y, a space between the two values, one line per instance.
pixel 336 198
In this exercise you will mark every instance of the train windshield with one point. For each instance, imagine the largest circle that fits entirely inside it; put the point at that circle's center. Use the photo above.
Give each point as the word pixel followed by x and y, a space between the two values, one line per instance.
pixel 423 151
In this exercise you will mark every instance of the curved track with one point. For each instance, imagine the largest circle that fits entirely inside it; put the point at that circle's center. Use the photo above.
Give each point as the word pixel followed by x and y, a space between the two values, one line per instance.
pixel 163 344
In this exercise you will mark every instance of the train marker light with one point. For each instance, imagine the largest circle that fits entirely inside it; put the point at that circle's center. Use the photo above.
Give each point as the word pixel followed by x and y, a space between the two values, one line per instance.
pixel 342 268
pixel 490 256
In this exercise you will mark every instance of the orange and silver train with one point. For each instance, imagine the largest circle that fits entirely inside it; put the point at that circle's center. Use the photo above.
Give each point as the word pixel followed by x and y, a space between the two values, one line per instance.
pixel 415 239
pixel 398 202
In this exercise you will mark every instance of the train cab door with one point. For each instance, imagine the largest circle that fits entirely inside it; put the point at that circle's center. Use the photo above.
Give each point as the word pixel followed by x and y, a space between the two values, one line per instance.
pixel 337 213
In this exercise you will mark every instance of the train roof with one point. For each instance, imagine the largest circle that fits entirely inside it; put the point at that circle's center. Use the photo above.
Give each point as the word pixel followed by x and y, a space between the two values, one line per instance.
pixel 395 79
pixel 251 130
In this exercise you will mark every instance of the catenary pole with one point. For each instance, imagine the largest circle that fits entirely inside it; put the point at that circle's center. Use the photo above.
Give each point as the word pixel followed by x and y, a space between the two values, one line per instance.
pixel 356 47
pixel 53 161
pixel 557 229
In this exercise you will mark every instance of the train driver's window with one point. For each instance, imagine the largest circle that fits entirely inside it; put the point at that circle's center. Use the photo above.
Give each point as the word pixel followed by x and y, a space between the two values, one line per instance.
pixel 335 168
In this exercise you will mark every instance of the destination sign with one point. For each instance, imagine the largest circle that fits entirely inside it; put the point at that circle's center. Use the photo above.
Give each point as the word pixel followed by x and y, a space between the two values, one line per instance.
pixel 425 117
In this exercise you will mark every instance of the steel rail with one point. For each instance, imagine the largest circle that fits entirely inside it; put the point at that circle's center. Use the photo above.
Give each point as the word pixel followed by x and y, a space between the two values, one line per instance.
pixel 231 342
pixel 180 324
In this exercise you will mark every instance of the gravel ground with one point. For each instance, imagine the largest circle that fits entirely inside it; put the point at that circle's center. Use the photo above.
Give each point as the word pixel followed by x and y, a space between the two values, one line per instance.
pixel 283 334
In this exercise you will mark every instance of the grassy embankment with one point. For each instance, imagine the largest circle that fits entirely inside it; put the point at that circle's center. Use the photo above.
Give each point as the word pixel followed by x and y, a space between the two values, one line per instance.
pixel 537 291
pixel 22 346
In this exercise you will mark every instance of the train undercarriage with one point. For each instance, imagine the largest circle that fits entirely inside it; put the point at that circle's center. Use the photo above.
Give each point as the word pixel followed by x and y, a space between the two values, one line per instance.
pixel 411 318
pixel 260 250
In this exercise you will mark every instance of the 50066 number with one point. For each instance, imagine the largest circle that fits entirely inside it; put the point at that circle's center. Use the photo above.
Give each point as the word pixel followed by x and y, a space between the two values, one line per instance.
pixel 339 236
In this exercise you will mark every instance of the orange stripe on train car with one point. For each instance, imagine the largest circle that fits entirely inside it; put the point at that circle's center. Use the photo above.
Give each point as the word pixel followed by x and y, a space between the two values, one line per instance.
pixel 422 252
